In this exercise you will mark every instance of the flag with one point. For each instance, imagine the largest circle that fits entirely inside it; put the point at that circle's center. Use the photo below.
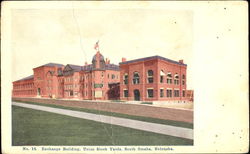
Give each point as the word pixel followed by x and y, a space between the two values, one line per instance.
pixel 96 45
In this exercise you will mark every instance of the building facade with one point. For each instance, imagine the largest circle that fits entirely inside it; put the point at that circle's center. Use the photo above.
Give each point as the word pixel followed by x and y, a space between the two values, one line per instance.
pixel 146 79
pixel 153 79
pixel 96 81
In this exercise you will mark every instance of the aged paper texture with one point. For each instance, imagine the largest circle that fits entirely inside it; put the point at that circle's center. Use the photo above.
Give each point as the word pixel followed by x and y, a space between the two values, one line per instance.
pixel 211 38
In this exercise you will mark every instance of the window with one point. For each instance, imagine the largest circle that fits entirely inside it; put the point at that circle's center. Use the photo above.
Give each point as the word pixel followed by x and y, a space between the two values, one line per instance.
pixel 125 93
pixel 183 93
pixel 183 79
pixel 150 76
pixel 136 79
pixel 176 79
pixel 161 92
pixel 161 76
pixel 176 93
pixel 125 79
pixel 169 93
pixel 71 93
pixel 161 79
pixel 150 93
pixel 108 76
pixel 113 76
pixel 169 78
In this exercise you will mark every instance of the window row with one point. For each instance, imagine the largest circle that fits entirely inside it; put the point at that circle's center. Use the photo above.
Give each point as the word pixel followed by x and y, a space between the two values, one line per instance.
pixel 70 86
pixel 21 86
pixel 150 93
pixel 150 78
pixel 26 92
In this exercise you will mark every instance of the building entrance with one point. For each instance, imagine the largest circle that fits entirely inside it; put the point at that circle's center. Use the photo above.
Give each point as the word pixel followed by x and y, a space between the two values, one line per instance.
pixel 38 92
pixel 136 95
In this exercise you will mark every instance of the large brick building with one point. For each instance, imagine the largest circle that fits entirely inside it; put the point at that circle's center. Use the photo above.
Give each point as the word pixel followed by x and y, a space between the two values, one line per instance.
pixel 153 79
pixel 147 79
pixel 98 80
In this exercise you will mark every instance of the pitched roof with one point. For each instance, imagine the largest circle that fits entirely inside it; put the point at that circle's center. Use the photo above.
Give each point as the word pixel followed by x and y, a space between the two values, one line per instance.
pixel 107 67
pixel 52 65
pixel 153 57
pixel 76 68
pixel 112 67
pixel 26 78
pixel 87 67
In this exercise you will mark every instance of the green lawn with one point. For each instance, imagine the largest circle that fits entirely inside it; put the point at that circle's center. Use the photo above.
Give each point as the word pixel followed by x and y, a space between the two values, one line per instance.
pixel 147 119
pixel 33 127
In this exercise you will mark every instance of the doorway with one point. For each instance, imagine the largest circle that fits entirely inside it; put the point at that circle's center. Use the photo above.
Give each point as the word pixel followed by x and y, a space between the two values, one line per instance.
pixel 136 95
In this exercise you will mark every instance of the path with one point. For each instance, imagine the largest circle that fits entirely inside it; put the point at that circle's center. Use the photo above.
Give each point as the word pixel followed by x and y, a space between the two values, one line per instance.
pixel 140 125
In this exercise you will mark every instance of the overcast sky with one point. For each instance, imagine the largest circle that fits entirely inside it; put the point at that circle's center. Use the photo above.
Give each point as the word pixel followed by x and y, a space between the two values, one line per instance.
pixel 67 36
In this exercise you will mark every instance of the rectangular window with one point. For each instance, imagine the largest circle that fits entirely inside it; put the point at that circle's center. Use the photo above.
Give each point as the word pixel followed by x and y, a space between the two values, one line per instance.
pixel 136 80
pixel 183 82
pixel 169 93
pixel 161 92
pixel 150 93
pixel 113 76
pixel 183 93
pixel 176 93
pixel 126 79
pixel 169 81
pixel 176 82
pixel 125 93
pixel 150 79
pixel 161 79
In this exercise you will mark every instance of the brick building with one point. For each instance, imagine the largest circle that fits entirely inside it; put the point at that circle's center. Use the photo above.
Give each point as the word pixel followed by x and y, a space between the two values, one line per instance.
pixel 153 79
pixel 146 79
pixel 96 81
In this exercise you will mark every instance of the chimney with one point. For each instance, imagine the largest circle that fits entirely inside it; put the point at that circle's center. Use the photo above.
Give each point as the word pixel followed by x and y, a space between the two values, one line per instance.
pixel 108 61
pixel 181 61
pixel 123 59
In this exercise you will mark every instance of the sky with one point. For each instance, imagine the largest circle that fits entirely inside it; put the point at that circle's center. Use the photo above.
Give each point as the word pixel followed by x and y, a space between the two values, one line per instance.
pixel 68 36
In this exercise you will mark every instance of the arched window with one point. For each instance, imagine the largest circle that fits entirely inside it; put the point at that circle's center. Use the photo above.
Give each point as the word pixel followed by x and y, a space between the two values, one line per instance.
pixel 125 78
pixel 162 76
pixel 176 79
pixel 169 78
pixel 150 76
pixel 136 78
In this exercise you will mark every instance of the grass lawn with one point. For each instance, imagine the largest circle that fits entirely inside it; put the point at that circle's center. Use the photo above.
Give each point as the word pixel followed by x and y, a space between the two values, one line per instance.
pixel 147 119
pixel 33 127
